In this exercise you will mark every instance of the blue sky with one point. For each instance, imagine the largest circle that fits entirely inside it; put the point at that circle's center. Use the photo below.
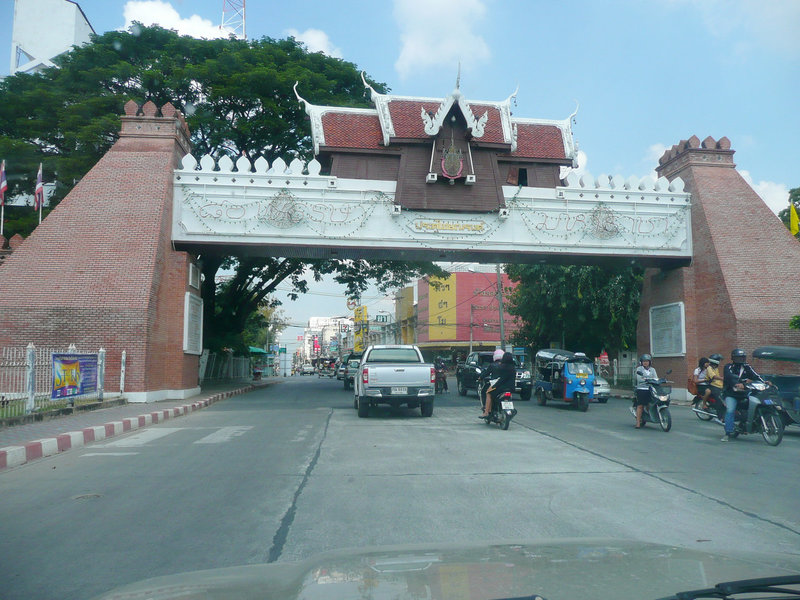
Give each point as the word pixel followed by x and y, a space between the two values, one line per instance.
pixel 646 74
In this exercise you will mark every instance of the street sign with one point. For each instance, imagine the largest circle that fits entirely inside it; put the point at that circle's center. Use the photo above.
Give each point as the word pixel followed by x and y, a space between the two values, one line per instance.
pixel 352 303
pixel 282 350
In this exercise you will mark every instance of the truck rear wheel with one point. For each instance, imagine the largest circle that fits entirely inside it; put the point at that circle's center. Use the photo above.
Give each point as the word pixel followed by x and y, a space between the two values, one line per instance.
pixel 363 407
pixel 427 409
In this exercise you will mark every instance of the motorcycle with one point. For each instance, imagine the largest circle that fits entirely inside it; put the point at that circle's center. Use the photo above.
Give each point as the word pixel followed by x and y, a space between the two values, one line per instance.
pixel 502 408
pixel 705 414
pixel 758 412
pixel 657 411
pixel 441 379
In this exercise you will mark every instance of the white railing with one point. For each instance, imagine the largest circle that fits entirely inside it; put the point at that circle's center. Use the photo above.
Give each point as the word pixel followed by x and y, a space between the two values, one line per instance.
pixel 26 380
pixel 223 366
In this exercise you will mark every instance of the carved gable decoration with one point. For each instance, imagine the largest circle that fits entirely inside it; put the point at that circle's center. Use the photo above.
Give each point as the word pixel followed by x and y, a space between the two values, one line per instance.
pixel 452 156
pixel 433 123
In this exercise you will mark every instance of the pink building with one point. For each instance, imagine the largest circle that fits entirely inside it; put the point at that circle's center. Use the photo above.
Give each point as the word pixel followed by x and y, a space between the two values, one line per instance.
pixel 463 310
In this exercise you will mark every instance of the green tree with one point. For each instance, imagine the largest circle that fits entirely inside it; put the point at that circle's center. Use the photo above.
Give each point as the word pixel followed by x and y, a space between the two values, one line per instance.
pixel 588 307
pixel 264 326
pixel 238 98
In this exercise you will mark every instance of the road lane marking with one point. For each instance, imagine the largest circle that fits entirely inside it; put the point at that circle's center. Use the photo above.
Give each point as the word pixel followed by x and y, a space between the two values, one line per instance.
pixel 224 434
pixel 140 439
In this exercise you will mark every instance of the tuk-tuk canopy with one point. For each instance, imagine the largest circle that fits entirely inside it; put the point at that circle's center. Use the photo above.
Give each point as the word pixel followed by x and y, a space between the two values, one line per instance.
pixel 556 355
pixel 787 353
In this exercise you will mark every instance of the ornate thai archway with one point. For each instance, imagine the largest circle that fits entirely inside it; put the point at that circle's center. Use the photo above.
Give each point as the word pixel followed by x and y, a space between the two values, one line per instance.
pixel 409 178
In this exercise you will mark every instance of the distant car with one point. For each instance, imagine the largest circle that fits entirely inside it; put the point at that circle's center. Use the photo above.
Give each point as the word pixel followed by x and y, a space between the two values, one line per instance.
pixel 350 369
pixel 602 391
pixel 307 369
pixel 340 370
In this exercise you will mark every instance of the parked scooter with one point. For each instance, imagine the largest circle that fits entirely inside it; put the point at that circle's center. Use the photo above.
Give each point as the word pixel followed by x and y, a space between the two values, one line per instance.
pixel 657 411
pixel 758 412
pixel 502 408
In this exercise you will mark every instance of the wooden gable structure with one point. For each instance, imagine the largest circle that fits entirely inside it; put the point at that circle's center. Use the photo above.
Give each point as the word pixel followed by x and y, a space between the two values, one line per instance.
pixel 449 154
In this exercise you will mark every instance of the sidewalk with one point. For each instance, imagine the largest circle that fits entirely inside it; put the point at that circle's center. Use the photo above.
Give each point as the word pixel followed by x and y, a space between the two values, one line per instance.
pixel 21 444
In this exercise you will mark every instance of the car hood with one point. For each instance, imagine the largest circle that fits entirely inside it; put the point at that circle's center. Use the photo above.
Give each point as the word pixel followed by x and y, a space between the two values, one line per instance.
pixel 555 570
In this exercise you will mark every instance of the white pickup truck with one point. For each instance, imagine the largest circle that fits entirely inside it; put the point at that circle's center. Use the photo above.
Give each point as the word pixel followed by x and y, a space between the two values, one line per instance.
pixel 394 374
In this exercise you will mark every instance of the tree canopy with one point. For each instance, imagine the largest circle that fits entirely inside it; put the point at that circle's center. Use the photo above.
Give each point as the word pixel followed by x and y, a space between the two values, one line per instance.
pixel 238 99
pixel 585 308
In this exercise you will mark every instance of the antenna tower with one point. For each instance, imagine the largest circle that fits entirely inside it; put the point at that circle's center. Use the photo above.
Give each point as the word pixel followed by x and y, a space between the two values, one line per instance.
pixel 233 17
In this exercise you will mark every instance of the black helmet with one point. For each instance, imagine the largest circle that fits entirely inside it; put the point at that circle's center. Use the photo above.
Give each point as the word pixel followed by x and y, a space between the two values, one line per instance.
pixel 738 355
pixel 715 359
pixel 645 357
pixel 703 360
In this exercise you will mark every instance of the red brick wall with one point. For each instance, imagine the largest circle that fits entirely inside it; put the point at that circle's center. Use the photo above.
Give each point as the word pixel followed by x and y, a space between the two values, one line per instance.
pixel 744 282
pixel 100 270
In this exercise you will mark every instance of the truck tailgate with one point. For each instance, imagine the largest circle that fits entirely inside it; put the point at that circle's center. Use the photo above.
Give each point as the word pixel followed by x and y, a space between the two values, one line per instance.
pixel 398 375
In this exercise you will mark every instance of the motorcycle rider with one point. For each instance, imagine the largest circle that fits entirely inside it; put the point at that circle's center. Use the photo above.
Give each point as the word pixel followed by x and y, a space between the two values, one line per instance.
pixel 699 378
pixel 501 374
pixel 644 371
pixel 714 379
pixel 735 375
pixel 440 365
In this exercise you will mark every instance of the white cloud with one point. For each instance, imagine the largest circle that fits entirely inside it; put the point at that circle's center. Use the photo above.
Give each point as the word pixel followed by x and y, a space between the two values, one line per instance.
pixel 158 12
pixel 437 34
pixel 775 195
pixel 654 153
pixel 316 40
pixel 751 24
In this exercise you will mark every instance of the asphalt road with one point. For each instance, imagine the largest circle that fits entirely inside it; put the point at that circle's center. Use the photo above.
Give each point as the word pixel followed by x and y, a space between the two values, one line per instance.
pixel 289 471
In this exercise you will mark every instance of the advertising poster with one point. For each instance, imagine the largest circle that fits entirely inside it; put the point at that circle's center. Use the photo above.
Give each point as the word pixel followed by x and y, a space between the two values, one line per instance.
pixel 73 375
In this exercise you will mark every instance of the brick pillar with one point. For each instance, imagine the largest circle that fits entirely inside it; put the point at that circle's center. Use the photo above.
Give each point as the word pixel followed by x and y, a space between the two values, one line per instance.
pixel 100 270
pixel 744 281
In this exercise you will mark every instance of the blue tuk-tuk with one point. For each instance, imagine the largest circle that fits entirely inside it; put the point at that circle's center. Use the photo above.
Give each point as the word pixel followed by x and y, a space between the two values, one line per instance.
pixel 788 384
pixel 564 376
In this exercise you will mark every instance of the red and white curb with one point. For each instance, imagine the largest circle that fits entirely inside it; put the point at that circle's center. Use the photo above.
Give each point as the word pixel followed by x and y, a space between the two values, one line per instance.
pixel 13 456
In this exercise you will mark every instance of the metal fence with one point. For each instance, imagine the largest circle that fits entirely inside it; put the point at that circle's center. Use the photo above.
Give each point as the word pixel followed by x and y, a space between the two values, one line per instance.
pixel 26 381
pixel 222 366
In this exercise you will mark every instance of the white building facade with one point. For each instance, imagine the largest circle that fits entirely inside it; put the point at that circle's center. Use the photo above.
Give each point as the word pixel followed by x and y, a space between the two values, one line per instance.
pixel 42 30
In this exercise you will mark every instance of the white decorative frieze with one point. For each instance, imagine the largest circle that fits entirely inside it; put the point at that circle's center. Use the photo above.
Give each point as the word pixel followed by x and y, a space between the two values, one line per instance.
pixel 293 210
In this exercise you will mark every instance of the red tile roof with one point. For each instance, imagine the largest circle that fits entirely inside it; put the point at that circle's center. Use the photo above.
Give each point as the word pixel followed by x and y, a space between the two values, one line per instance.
pixel 352 130
pixel 362 130
pixel 539 141
pixel 407 119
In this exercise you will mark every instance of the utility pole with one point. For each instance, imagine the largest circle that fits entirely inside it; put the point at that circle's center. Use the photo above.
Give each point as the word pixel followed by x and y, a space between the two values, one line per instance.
pixel 500 304
pixel 471 306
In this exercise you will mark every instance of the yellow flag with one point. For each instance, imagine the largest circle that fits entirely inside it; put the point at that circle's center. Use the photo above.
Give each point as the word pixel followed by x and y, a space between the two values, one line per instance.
pixel 794 224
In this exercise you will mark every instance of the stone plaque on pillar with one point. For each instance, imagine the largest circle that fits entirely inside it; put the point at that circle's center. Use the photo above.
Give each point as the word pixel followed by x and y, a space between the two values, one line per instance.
pixel 668 330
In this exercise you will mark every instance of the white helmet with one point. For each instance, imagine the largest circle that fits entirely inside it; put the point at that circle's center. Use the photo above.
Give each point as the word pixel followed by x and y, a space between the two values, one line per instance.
pixel 498 354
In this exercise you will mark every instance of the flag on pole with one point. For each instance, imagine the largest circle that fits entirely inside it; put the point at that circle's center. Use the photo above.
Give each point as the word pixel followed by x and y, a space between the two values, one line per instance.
pixel 794 224
pixel 38 195
pixel 3 184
